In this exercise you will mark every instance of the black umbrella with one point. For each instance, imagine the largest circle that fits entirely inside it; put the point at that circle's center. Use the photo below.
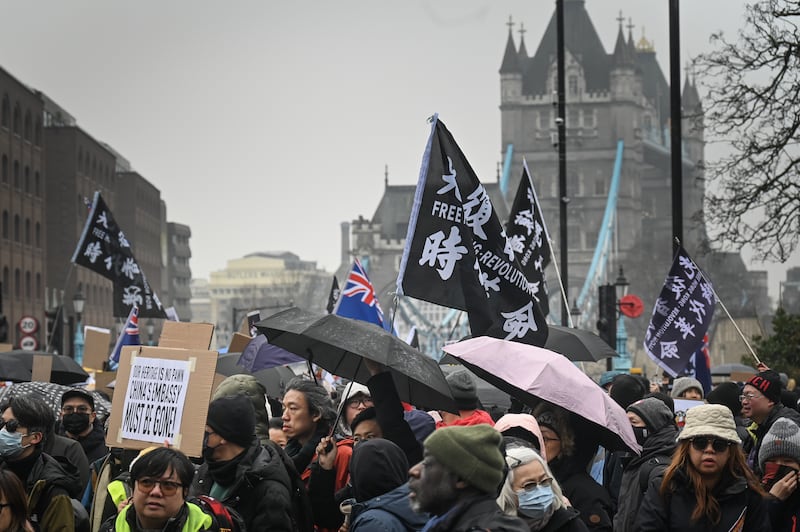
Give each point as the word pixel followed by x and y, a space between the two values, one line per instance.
pixel 51 394
pixel 11 370
pixel 578 345
pixel 273 379
pixel 340 346
pixel 64 370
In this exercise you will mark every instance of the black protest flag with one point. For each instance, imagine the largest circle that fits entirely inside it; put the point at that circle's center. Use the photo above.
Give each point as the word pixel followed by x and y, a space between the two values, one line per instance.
pixel 681 315
pixel 104 249
pixel 529 239
pixel 457 254
pixel 333 297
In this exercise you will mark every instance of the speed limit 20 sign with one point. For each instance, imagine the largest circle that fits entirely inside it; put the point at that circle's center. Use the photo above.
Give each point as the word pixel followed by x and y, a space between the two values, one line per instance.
pixel 28 325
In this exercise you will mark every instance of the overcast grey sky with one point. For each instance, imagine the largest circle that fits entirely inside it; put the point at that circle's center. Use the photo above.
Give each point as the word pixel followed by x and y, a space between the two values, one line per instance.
pixel 265 123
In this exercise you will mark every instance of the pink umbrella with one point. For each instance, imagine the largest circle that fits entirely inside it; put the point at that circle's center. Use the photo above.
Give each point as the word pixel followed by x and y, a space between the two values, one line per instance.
pixel 528 372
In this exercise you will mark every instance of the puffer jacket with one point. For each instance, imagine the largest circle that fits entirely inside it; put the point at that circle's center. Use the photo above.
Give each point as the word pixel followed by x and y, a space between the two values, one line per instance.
pixel 390 512
pixel 657 447
pixel 742 509
pixel 260 477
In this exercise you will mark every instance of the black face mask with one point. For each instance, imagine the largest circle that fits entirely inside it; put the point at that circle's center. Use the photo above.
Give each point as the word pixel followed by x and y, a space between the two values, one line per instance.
pixel 75 423
pixel 208 451
pixel 641 434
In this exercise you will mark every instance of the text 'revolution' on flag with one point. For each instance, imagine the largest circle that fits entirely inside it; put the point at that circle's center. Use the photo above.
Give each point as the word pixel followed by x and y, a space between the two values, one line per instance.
pixel 457 254
pixel 529 239
pixel 681 316
pixel 357 299
pixel 104 249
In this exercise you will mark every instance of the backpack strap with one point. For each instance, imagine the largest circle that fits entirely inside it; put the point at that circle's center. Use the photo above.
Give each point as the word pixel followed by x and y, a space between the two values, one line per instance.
pixel 657 462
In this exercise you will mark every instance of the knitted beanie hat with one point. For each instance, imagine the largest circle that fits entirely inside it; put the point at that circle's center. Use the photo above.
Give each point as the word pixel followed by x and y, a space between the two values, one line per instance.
pixel 782 440
pixel 710 420
pixel 471 452
pixel 684 383
pixel 233 418
pixel 653 412
pixel 464 390
pixel 626 390
pixel 726 393
pixel 769 383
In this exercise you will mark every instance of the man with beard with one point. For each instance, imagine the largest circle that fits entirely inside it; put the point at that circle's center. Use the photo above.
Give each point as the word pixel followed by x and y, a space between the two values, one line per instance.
pixel 458 481
pixel 78 422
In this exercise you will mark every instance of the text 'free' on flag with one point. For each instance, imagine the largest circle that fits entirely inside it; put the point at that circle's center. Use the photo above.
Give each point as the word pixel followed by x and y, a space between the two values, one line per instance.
pixel 104 249
pixel 457 254
pixel 681 316
pixel 527 233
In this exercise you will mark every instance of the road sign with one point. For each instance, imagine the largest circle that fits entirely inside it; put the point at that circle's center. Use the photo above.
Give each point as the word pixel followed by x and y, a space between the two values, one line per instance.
pixel 28 343
pixel 28 325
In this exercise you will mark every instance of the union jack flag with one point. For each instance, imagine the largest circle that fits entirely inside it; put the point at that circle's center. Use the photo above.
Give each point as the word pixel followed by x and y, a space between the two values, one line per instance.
pixel 357 299
pixel 129 336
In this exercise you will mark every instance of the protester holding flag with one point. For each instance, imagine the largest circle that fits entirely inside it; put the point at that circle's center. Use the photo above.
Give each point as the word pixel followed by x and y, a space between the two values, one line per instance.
pixel 707 486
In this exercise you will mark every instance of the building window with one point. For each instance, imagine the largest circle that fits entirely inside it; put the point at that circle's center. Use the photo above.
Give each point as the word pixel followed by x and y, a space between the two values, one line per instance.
pixel 27 180
pixel 5 281
pixel 38 286
pixel 37 233
pixel 588 118
pixel 573 117
pixel 37 184
pixel 28 129
pixel 37 132
pixel 27 284
pixel 600 187
pixel 647 123
pixel 17 284
pixel 5 112
pixel 17 120
pixel 28 231
pixel 4 168
pixel 16 228
pixel 572 85
pixel 5 224
pixel 16 175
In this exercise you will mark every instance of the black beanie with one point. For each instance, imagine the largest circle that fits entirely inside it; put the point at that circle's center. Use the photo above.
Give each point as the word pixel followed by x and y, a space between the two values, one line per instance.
pixel 726 393
pixel 233 418
pixel 626 390
pixel 768 383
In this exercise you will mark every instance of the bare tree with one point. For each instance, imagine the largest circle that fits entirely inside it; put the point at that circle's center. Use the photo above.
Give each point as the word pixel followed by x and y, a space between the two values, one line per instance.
pixel 753 86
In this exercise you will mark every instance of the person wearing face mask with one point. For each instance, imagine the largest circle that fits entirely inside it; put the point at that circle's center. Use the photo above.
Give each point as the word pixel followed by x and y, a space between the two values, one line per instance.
pixel 48 486
pixel 654 426
pixel 779 459
pixel 78 422
pixel 532 493
pixel 239 471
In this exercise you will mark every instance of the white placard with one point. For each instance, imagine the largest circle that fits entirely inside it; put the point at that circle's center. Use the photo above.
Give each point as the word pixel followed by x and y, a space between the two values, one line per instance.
pixel 155 399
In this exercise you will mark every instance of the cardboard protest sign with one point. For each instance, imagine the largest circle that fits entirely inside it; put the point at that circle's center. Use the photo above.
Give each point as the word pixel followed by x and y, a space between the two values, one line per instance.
pixel 681 406
pixel 42 368
pixel 186 335
pixel 95 347
pixel 161 395
pixel 238 343
pixel 4 348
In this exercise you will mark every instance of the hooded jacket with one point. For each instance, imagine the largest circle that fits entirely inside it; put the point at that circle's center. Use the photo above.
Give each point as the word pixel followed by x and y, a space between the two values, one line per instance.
pixel 260 477
pixel 741 508
pixel 48 487
pixel 657 447
pixel 478 513
pixel 390 512
pixel 256 392
pixel 70 451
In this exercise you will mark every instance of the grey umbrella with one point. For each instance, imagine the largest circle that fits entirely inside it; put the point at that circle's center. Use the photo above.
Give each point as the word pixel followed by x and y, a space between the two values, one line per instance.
pixel 578 345
pixel 273 379
pixel 340 345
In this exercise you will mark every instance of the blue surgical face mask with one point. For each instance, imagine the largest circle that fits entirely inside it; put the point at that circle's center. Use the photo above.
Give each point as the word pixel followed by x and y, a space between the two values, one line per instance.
pixel 10 444
pixel 537 502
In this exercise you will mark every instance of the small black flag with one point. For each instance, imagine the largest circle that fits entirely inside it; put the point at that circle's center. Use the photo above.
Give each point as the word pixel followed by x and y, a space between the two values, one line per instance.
pixel 333 297
pixel 104 249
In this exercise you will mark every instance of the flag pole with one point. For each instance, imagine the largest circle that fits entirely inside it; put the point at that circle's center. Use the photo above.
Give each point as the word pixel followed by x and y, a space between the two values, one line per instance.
pixel 561 285
pixel 60 310
pixel 738 330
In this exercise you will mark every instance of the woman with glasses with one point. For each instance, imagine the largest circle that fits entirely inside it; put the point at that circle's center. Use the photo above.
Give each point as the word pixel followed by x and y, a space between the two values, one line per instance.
pixel 531 492
pixel 13 504
pixel 161 480
pixel 707 486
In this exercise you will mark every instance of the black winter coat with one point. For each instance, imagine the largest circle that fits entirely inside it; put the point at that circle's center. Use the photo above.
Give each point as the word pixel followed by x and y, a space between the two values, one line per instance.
pixel 741 508
pixel 479 513
pixel 261 491
pixel 565 519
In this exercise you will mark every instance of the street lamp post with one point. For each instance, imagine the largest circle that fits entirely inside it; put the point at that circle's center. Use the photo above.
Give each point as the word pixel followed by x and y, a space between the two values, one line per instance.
pixel 150 329
pixel 623 361
pixel 78 302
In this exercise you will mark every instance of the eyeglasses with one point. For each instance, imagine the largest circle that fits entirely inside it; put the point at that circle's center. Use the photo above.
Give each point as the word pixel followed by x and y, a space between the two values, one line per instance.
pixel 749 397
pixel 366 401
pixel 701 444
pixel 168 487
pixel 80 410
pixel 11 425
pixel 546 482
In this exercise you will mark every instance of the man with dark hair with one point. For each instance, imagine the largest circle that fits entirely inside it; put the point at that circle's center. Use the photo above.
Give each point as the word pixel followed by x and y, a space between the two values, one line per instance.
pixel 458 481
pixel 239 471
pixel 365 426
pixel 25 421
pixel 161 480
pixel 761 403
pixel 79 422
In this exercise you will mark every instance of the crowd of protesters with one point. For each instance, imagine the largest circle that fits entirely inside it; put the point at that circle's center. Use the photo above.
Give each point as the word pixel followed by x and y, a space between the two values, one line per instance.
pixel 358 459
